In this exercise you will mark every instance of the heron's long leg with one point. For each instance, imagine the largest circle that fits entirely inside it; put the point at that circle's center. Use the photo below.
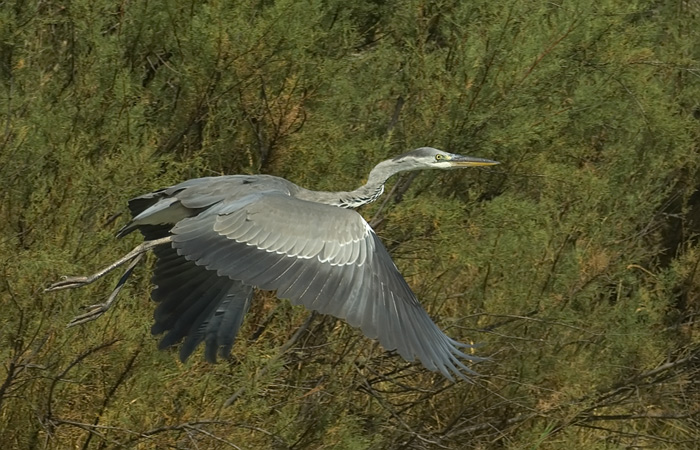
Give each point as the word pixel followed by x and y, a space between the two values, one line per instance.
pixel 95 311
pixel 76 282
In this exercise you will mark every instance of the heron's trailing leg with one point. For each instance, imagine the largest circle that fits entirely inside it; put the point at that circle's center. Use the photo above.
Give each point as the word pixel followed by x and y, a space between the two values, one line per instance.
pixel 95 311
pixel 76 282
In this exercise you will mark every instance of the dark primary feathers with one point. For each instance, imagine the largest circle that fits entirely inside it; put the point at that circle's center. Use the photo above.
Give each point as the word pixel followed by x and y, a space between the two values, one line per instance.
pixel 233 233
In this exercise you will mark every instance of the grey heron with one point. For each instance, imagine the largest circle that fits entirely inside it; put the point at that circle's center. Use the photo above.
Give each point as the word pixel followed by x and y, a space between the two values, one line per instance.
pixel 217 238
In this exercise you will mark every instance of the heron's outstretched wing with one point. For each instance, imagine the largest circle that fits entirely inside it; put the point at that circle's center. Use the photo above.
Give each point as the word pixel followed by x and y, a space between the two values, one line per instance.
pixel 323 257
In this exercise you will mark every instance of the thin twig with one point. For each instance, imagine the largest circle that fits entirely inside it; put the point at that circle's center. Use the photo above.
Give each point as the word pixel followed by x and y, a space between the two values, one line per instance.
pixel 282 350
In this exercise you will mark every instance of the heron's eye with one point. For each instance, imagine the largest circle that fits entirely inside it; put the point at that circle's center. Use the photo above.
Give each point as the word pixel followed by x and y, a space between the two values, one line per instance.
pixel 440 157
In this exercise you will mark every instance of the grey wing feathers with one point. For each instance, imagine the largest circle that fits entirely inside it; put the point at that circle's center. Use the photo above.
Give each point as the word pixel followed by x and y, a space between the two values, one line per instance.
pixel 196 304
pixel 323 257
pixel 192 197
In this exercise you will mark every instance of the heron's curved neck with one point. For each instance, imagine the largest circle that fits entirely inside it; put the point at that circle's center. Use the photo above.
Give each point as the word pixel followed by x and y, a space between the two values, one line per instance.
pixel 360 196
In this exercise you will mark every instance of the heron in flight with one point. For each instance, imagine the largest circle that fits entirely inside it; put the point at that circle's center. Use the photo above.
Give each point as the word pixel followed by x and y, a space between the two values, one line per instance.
pixel 217 238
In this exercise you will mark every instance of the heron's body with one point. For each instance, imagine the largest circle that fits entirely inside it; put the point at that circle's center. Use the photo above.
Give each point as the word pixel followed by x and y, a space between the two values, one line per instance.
pixel 229 234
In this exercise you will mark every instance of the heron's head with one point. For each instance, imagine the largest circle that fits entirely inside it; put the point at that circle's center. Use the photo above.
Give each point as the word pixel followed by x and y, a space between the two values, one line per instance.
pixel 432 158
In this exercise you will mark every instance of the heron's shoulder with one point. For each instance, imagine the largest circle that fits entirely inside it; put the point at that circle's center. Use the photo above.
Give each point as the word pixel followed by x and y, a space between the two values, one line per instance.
pixel 231 186
pixel 231 182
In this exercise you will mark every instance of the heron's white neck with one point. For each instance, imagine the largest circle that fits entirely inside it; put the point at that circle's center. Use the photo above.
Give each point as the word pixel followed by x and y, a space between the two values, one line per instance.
pixel 360 196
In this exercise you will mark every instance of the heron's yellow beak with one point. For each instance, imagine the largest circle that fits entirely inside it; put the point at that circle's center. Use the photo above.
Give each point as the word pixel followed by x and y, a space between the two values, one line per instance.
pixel 468 161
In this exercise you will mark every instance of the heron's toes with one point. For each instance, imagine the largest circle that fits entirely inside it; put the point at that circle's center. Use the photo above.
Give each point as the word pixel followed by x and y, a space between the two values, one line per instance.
pixel 92 313
pixel 68 283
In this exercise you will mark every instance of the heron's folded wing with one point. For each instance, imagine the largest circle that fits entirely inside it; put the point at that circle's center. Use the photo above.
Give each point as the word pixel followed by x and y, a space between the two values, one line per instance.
pixel 323 257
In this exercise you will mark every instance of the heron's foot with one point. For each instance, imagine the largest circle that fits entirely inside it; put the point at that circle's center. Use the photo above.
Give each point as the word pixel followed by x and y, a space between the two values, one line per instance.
pixel 93 312
pixel 69 283
pixel 133 257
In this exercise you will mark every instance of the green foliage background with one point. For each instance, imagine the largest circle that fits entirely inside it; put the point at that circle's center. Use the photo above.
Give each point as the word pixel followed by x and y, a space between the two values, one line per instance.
pixel 574 262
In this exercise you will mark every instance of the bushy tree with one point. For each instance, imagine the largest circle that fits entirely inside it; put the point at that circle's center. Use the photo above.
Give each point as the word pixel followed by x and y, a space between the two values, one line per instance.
pixel 573 262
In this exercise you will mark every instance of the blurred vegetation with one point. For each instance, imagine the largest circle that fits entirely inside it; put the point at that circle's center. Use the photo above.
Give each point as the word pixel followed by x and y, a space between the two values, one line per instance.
pixel 574 262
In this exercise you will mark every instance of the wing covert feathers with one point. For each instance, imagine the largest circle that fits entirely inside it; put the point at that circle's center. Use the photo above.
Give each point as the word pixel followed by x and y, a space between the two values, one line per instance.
pixel 321 256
